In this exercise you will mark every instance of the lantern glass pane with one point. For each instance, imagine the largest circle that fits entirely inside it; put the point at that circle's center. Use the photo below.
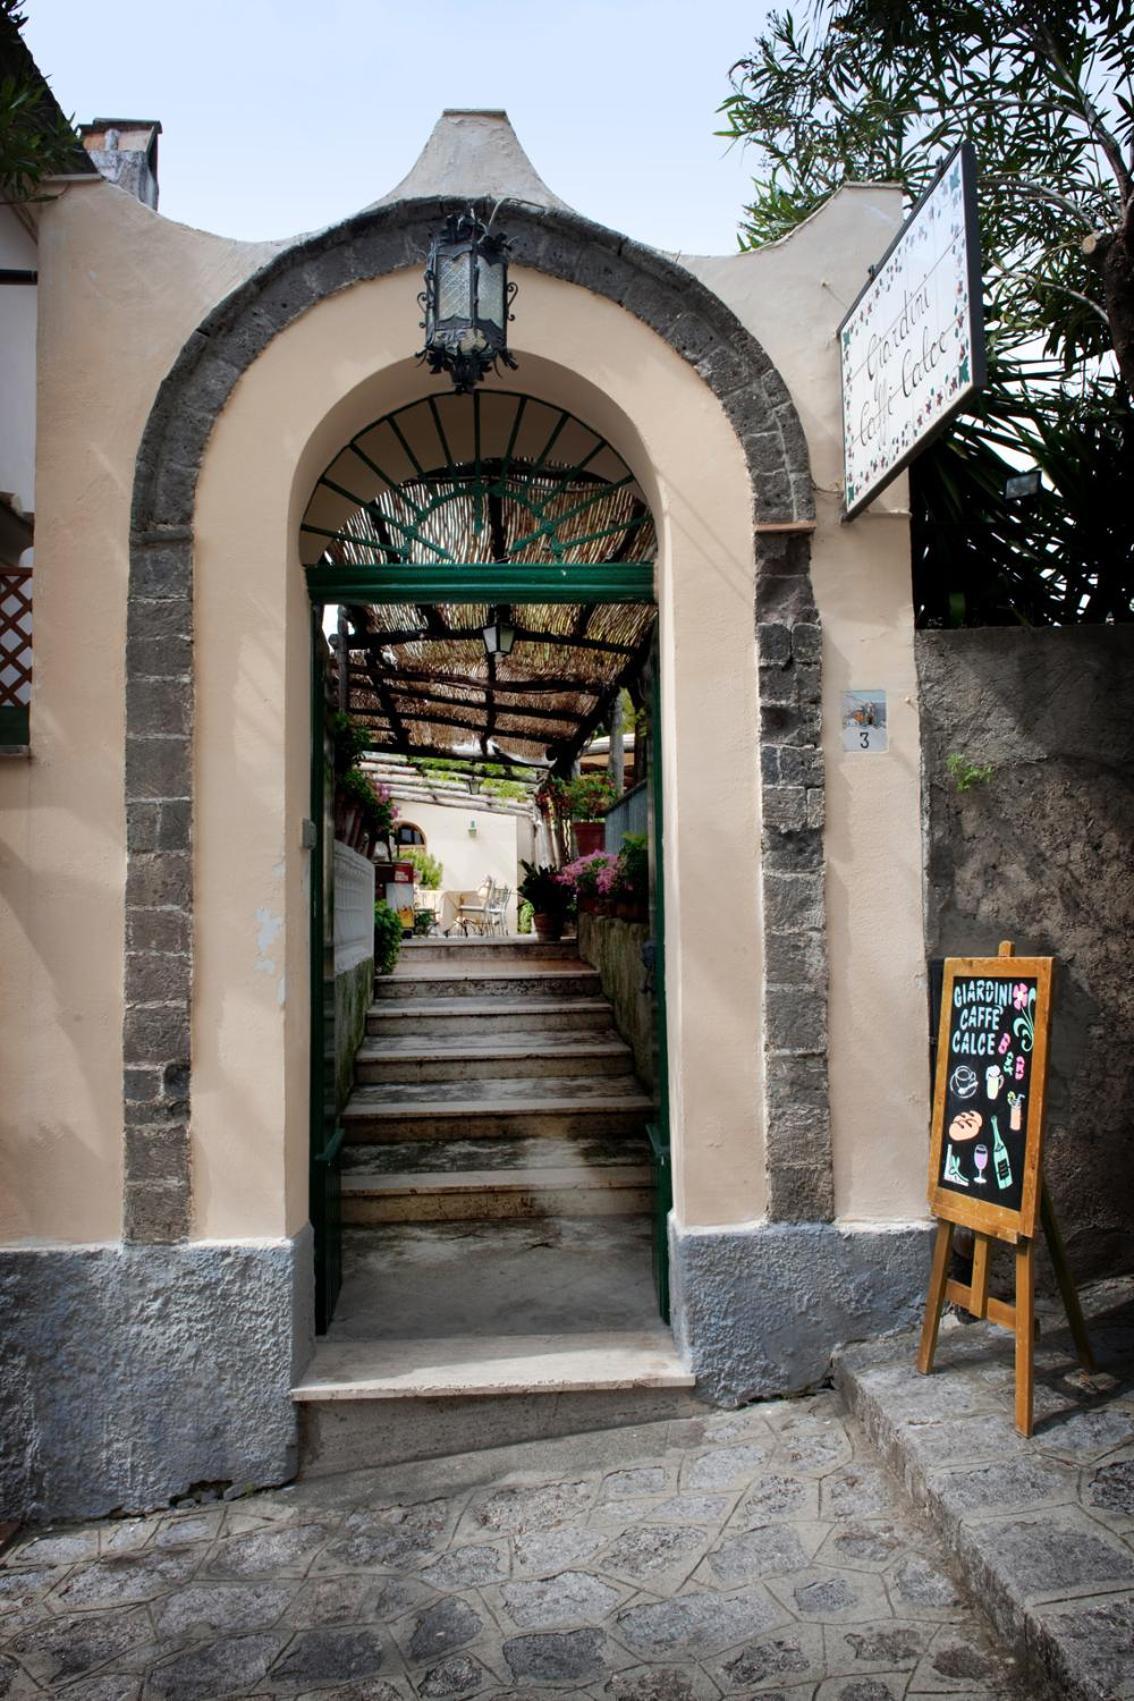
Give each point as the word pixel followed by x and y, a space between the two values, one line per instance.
pixel 454 296
pixel 490 304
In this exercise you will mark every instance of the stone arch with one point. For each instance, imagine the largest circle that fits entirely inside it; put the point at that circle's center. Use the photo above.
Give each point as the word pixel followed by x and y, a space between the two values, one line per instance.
pixel 159 676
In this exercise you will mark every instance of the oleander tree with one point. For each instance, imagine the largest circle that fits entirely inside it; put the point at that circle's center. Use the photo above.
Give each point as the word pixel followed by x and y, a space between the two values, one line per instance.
pixel 881 91
pixel 36 139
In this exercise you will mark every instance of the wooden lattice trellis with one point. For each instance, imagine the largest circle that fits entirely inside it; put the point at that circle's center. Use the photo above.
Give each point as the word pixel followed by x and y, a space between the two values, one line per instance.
pixel 15 637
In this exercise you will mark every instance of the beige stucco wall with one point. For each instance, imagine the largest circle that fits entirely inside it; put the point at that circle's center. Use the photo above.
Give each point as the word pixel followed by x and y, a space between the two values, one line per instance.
pixel 120 290
pixel 792 296
pixel 338 368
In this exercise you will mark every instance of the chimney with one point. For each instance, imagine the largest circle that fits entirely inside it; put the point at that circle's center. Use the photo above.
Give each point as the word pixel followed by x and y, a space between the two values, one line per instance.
pixel 125 150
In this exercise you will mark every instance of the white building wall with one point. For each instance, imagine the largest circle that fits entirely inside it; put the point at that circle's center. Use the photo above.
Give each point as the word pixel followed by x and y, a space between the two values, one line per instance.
pixel 17 363
pixel 469 857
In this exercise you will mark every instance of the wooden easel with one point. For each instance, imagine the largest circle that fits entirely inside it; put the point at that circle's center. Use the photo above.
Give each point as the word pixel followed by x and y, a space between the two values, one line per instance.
pixel 975 1297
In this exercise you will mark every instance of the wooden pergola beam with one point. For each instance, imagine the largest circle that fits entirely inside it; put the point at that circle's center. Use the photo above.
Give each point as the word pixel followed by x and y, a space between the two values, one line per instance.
pixel 465 634
pixel 510 687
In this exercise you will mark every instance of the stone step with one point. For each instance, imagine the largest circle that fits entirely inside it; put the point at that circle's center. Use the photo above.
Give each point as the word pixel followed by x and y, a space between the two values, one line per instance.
pixel 459 951
pixel 467 1018
pixel 549 1106
pixel 484 1180
pixel 435 982
pixel 410 1058
pixel 504 1364
pixel 358 1410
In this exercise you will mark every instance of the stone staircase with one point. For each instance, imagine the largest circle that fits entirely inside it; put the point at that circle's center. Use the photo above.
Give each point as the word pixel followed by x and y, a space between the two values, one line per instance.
pixel 497 1200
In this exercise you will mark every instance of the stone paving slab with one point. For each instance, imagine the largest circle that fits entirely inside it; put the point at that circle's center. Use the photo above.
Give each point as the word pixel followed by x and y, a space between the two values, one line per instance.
pixel 761 1555
pixel 1043 1528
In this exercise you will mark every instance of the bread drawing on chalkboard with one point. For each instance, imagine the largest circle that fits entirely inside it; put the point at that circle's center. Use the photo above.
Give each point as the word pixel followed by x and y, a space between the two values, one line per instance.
pixel 966 1125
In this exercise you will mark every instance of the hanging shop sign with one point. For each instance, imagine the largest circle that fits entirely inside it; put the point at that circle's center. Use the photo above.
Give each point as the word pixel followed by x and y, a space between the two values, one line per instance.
pixel 912 346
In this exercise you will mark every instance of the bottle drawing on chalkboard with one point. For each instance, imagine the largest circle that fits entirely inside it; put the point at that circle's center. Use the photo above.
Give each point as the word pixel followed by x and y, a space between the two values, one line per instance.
pixel 1000 1160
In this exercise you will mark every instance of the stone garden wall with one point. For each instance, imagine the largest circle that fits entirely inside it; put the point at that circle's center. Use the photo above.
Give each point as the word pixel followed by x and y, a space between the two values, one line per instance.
pixel 1040 853
pixel 614 948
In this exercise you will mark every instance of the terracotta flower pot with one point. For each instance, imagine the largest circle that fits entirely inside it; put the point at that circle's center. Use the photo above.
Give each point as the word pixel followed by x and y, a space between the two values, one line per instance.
pixel 589 836
pixel 548 927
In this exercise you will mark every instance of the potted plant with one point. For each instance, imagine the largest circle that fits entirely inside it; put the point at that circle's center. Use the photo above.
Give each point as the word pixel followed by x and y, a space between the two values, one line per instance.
pixel 632 880
pixel 551 899
pixel 584 801
pixel 590 878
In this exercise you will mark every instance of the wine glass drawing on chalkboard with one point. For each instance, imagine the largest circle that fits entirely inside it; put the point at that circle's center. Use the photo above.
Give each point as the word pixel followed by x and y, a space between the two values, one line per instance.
pixel 980 1159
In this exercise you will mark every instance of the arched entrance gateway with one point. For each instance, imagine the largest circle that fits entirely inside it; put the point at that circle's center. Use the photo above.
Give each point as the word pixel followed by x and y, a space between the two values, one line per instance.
pixel 638 487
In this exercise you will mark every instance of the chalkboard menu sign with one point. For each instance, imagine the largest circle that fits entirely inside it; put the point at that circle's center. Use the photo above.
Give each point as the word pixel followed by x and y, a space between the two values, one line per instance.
pixel 988 1102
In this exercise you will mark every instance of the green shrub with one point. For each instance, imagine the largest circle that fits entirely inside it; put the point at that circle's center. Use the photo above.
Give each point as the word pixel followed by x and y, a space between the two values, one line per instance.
pixel 964 774
pixel 524 915
pixel 428 870
pixel 351 740
pixel 387 937
pixel 634 867
pixel 545 891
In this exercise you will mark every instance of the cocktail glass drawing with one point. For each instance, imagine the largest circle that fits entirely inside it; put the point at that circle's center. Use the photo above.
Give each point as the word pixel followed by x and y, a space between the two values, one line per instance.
pixel 980 1161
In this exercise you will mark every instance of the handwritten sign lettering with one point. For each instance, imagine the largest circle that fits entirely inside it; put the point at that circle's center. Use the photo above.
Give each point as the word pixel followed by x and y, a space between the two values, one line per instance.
pixel 912 345
pixel 988 1103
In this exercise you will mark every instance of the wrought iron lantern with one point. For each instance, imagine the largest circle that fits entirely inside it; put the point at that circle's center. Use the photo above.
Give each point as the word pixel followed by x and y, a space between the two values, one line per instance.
pixel 500 633
pixel 466 302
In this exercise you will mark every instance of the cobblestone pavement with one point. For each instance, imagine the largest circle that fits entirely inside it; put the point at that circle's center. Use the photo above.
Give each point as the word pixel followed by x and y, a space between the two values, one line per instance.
pixel 761 1553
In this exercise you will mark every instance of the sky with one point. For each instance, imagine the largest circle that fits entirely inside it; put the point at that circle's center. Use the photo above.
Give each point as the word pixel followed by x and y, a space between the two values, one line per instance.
pixel 282 116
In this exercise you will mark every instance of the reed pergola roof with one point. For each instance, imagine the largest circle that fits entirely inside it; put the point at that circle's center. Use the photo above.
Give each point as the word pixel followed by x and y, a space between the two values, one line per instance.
pixel 455 483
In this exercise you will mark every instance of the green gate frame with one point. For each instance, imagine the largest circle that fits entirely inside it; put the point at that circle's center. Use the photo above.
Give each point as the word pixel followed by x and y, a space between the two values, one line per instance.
pixel 456 582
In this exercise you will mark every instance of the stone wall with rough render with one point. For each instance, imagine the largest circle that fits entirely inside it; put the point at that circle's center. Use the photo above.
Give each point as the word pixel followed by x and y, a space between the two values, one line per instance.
pixel 1041 854
pixel 614 948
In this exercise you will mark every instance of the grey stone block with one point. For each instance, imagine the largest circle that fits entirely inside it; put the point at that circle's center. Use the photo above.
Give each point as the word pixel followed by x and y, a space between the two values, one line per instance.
pixel 794 1019
pixel 157 979
pixel 158 824
pixel 161 570
pixel 784 809
pixel 152 618
pixel 158 767
pixel 792 1079
pixel 761 1309
pixel 790 723
pixel 156 1212
pixel 774 644
pixel 801 1193
pixel 143 1085
pixel 795 959
pixel 159 707
pixel 795 853
pixel 159 880
pixel 135 1421
pixel 801 767
pixel 784 596
pixel 793 903
pixel 166 657
pixel 779 685
pixel 156 1033
pixel 158 930
pixel 773 492
pixel 157 1153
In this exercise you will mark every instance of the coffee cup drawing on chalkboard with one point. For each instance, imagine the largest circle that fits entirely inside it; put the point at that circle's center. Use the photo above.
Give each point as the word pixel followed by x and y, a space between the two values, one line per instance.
pixel 963 1081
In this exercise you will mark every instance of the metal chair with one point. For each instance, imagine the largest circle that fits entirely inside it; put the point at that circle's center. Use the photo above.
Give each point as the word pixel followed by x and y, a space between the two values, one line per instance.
pixel 476 913
pixel 497 910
